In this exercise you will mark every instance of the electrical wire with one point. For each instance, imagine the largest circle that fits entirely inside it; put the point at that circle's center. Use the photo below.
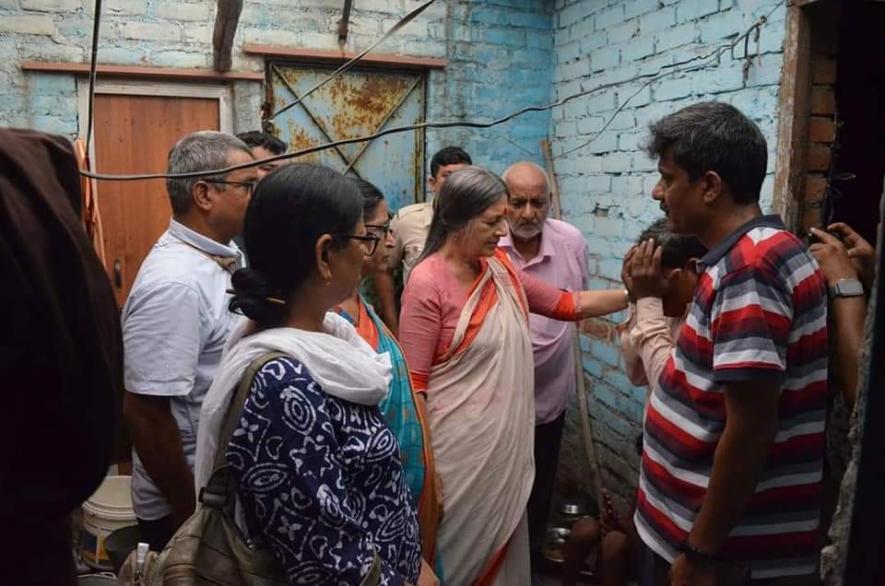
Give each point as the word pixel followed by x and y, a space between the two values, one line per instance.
pixel 393 30
pixel 93 70
pixel 695 63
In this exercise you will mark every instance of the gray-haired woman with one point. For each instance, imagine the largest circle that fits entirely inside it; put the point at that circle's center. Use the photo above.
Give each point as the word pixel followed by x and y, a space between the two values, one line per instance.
pixel 464 330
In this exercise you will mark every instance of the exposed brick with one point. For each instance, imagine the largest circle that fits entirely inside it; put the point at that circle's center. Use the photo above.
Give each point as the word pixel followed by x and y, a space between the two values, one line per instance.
pixel 636 7
pixel 572 70
pixel 132 7
pixel 821 129
pixel 601 102
pixel 121 55
pixel 823 71
pixel 592 42
pixel 627 185
pixel 638 48
pixel 720 26
pixel 694 9
pixel 603 143
pixel 609 17
pixel 599 329
pixel 534 20
pixel 51 5
pixel 765 71
pixel 590 125
pixel 617 162
pixel 55 125
pixel 198 33
pixel 179 11
pixel 181 59
pixel 818 157
pixel 672 89
pixel 598 183
pixel 27 25
pixel 677 36
pixel 823 100
pixel 630 141
pixel 605 352
pixel 149 31
pixel 605 58
pixel 815 186
pixel 623 121
pixel 622 32
pixel 572 14
pixel 726 78
pixel 657 20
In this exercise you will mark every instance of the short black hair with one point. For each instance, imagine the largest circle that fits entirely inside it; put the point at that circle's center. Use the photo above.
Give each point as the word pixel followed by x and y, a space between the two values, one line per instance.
pixel 678 249
pixel 257 138
pixel 714 136
pixel 451 155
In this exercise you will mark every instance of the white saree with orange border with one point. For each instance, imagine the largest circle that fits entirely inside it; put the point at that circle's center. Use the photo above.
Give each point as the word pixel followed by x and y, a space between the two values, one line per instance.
pixel 480 407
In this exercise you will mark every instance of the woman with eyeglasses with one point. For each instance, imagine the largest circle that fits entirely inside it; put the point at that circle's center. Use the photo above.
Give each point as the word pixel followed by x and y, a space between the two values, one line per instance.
pixel 317 470
pixel 402 408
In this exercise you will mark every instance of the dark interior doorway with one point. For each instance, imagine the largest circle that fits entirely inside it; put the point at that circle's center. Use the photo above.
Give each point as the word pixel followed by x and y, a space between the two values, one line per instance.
pixel 859 155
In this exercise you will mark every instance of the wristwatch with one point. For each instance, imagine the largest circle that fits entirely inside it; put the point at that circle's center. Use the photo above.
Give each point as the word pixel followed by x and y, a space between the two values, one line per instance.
pixel 846 288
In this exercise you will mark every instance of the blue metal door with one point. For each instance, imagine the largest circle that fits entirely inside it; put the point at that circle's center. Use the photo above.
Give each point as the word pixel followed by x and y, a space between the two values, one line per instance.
pixel 358 103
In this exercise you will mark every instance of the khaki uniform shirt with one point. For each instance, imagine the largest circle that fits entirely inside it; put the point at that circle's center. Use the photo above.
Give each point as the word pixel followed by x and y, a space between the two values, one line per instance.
pixel 410 227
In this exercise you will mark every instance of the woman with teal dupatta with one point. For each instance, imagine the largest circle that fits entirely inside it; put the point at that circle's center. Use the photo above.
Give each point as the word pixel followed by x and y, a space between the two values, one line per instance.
pixel 404 409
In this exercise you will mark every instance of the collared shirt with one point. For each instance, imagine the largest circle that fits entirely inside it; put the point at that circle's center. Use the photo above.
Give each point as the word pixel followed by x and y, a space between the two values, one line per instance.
pixel 759 313
pixel 561 262
pixel 410 226
pixel 175 325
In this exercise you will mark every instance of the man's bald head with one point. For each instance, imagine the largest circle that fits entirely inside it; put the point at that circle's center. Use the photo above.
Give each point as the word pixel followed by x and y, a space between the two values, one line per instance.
pixel 526 174
pixel 528 200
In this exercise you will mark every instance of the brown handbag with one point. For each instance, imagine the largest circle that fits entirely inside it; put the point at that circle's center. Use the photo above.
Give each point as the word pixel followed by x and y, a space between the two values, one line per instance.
pixel 209 548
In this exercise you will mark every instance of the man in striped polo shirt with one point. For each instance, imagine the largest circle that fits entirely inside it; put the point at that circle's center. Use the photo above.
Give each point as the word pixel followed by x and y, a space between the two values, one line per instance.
pixel 734 434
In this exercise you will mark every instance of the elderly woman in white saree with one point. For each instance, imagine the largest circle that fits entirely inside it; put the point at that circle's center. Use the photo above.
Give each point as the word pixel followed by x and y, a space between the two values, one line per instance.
pixel 464 330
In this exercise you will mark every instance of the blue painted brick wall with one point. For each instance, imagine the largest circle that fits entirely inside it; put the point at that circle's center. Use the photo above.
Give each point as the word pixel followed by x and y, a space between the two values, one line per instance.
pixel 500 59
pixel 606 186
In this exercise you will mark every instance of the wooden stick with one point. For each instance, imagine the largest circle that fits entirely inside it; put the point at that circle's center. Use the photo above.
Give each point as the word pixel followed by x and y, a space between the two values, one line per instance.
pixel 586 427
pixel 226 20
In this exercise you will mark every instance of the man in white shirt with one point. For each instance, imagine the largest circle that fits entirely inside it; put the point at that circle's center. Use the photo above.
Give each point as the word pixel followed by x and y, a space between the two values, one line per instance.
pixel 175 324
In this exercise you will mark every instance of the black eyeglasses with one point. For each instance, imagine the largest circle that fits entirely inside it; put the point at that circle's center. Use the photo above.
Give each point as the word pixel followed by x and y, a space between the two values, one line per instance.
pixel 383 228
pixel 249 185
pixel 370 241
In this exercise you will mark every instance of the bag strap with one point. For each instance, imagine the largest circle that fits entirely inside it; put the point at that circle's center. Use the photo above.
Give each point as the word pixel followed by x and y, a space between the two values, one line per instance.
pixel 216 491
pixel 373 576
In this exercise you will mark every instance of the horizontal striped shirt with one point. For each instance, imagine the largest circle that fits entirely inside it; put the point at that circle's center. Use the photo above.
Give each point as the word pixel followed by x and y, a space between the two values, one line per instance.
pixel 759 313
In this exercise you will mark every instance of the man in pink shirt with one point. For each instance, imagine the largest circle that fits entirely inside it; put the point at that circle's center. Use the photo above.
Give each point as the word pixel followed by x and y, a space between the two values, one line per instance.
pixel 555 252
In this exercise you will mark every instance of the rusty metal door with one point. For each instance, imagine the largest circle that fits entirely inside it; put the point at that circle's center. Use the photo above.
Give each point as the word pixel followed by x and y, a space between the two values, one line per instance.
pixel 358 103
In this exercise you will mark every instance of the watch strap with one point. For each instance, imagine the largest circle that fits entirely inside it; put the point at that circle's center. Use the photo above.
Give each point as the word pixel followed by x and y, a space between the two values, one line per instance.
pixel 847 288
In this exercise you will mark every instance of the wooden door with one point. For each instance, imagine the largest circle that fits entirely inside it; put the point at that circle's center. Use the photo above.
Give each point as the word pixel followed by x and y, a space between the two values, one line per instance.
pixel 133 134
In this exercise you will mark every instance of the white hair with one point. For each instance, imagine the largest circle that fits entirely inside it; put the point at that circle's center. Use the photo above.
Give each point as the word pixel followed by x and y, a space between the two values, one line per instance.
pixel 533 165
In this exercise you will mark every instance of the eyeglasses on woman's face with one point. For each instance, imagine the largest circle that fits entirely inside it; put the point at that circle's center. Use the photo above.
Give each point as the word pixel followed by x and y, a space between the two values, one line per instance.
pixel 369 241
pixel 380 230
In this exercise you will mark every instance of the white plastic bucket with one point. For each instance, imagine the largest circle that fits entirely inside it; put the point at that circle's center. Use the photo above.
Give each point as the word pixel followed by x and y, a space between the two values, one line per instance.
pixel 110 508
